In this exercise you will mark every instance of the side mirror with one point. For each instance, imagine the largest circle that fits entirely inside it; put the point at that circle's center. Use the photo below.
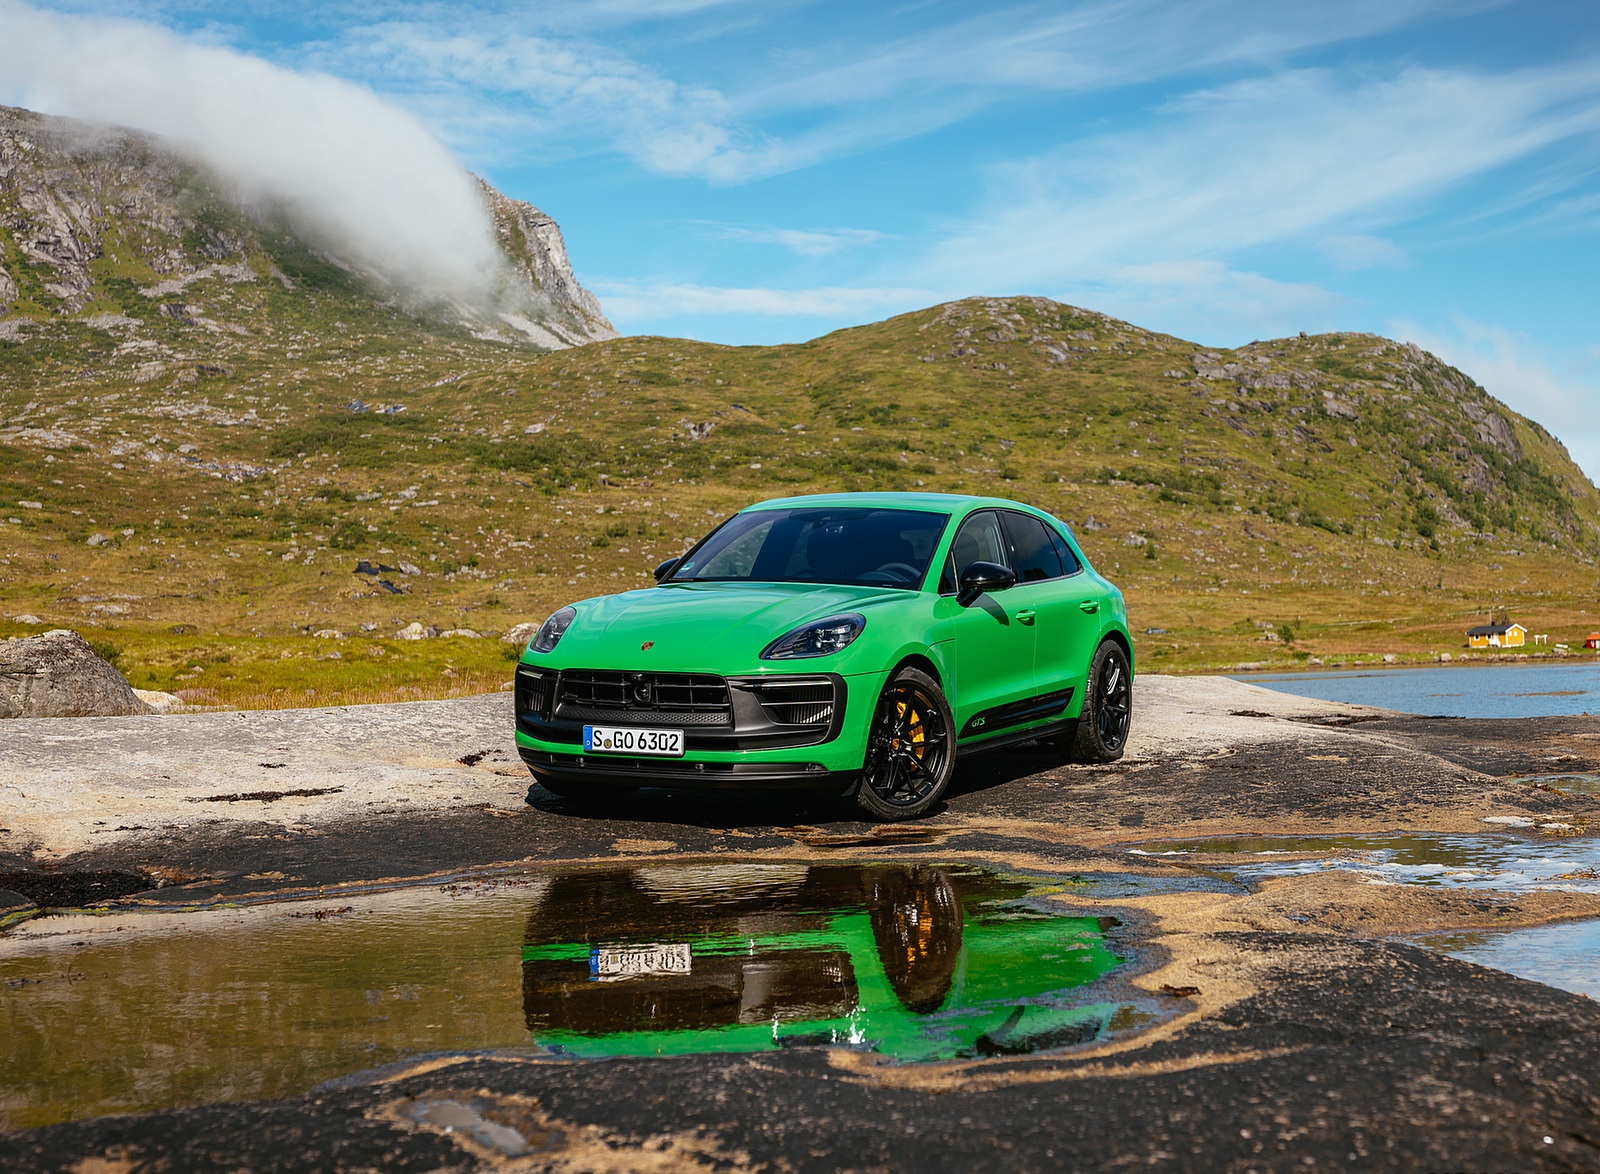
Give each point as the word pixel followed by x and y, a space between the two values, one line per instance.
pixel 980 577
pixel 667 568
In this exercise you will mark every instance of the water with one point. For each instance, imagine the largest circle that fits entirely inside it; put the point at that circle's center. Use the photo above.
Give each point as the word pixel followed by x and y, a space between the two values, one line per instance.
pixel 132 1012
pixel 1508 863
pixel 1566 955
pixel 1501 690
pixel 1572 782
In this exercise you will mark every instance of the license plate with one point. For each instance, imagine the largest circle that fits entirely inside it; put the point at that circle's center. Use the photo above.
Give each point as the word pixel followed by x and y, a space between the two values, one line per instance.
pixel 632 740
pixel 623 961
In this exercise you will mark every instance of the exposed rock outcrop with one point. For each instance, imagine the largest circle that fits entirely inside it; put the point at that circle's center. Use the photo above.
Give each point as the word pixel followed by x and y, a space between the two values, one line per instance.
pixel 59 675
pixel 73 194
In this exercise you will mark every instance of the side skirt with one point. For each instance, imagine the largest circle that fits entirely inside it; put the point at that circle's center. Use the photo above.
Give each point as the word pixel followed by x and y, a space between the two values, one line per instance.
pixel 1016 713
pixel 1000 741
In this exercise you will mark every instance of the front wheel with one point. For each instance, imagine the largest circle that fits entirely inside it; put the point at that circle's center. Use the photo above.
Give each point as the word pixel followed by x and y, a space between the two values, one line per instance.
pixel 1107 707
pixel 910 749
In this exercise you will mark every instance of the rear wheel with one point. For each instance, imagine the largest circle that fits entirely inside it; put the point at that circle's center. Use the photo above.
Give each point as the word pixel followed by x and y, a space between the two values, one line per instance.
pixel 1107 707
pixel 910 749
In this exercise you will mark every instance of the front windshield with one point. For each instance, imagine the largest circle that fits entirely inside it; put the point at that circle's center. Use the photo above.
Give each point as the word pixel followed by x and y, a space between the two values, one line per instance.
pixel 860 546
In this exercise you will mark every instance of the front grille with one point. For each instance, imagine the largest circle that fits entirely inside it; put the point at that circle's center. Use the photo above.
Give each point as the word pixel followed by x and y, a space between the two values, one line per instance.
pixel 533 691
pixel 678 717
pixel 678 698
pixel 796 701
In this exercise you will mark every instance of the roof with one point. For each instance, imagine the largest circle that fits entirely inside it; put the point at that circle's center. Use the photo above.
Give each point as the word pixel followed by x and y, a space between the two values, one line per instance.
pixel 944 503
pixel 1492 629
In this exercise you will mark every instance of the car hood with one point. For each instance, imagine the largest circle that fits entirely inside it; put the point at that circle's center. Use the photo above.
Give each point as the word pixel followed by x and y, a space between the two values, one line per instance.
pixel 706 627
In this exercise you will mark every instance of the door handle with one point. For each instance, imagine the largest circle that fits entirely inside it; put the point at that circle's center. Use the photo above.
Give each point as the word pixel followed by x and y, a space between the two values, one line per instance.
pixel 1025 616
pixel 1089 606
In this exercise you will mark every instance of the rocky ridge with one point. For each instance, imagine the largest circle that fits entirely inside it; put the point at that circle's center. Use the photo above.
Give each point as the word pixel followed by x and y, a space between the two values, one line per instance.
pixel 106 219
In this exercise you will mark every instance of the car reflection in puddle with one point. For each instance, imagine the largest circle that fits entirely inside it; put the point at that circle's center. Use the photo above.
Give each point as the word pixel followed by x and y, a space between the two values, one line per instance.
pixel 918 963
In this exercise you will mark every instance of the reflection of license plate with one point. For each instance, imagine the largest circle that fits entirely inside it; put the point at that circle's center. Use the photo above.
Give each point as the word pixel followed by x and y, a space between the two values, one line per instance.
pixel 621 961
pixel 632 740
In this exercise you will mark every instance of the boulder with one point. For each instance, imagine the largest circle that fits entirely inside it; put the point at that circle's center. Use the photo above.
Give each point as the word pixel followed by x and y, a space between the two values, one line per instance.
pixel 59 675
pixel 158 701
pixel 415 631
pixel 520 634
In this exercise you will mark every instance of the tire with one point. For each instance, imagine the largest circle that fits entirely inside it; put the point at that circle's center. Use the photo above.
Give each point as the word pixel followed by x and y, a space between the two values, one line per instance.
pixel 910 749
pixel 1107 707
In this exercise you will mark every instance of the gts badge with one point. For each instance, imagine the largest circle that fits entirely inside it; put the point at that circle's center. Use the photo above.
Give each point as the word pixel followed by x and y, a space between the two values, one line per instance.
pixel 978 723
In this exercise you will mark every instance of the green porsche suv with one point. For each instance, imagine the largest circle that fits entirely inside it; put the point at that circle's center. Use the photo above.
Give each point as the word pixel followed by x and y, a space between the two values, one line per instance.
pixel 852 642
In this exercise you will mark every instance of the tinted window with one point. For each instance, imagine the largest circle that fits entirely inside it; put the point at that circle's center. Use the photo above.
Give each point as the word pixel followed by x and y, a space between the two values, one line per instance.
pixel 865 546
pixel 1033 556
pixel 1069 561
pixel 978 541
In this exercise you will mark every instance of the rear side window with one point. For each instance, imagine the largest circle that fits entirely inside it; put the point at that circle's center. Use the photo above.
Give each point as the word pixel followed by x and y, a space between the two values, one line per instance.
pixel 1034 556
pixel 1069 561
pixel 979 540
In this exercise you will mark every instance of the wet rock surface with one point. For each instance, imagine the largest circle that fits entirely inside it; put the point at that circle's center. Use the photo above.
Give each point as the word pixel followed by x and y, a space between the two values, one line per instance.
pixel 1303 1036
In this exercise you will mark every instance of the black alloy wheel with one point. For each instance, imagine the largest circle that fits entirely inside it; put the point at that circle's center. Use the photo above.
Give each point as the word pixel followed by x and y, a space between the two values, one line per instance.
pixel 910 755
pixel 1107 707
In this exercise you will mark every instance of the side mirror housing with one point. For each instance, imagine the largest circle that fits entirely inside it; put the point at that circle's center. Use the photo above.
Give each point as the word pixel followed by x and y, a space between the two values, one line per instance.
pixel 667 568
pixel 980 577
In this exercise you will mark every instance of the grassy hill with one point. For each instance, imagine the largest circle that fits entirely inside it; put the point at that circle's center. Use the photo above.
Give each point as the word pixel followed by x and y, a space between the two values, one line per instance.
pixel 200 498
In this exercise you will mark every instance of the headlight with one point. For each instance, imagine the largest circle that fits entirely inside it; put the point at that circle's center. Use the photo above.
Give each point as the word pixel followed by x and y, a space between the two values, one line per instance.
pixel 818 638
pixel 553 629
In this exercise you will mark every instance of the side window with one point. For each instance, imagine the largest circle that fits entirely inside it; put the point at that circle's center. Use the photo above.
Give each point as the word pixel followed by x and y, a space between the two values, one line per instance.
pixel 978 541
pixel 1034 556
pixel 1069 561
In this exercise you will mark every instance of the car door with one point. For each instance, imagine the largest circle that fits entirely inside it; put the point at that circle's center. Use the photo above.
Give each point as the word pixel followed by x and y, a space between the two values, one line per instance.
pixel 1066 619
pixel 994 637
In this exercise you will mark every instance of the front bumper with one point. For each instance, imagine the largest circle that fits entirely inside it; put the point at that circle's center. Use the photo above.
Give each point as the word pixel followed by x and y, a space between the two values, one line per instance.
pixel 757 732
pixel 683 774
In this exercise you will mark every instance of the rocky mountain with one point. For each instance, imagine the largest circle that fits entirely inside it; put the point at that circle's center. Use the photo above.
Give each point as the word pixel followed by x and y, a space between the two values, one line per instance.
pixel 99 222
pixel 1327 496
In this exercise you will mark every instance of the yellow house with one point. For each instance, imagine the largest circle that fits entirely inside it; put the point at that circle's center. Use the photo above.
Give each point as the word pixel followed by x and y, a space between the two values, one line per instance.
pixel 1497 636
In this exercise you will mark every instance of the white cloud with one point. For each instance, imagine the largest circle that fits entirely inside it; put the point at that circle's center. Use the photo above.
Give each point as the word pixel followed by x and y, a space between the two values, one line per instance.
pixel 1300 157
pixel 643 302
pixel 839 90
pixel 1513 369
pixel 1351 251
pixel 565 94
pixel 807 242
pixel 363 175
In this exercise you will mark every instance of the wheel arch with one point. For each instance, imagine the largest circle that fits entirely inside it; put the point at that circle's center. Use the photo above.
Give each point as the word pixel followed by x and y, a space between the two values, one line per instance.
pixel 1120 638
pixel 922 662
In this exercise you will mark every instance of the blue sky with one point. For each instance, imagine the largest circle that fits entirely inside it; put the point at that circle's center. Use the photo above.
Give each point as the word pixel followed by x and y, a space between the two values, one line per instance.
pixel 768 171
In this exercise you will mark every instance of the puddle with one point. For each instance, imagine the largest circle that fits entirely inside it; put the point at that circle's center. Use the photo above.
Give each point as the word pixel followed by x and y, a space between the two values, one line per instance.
pixel 1566 955
pixel 1456 861
pixel 131 1012
pixel 1573 783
